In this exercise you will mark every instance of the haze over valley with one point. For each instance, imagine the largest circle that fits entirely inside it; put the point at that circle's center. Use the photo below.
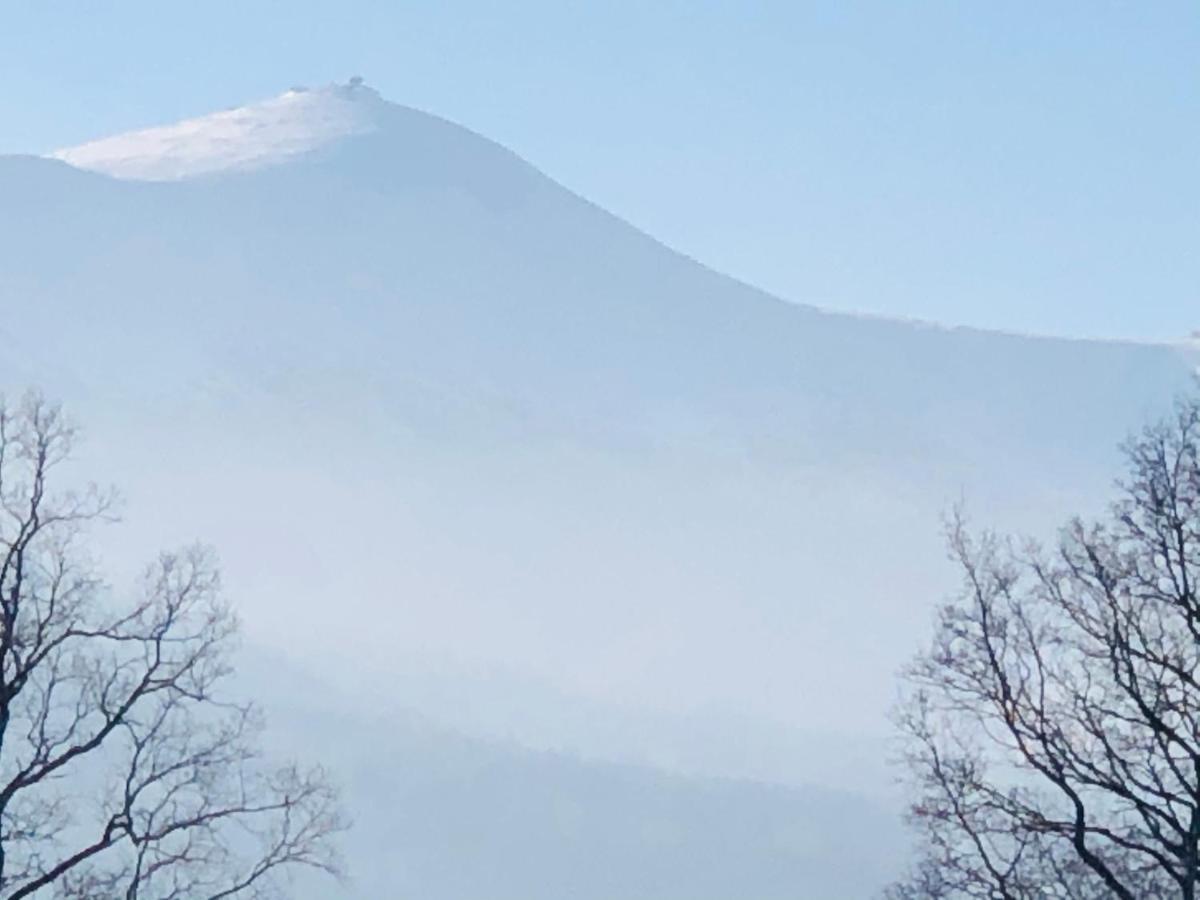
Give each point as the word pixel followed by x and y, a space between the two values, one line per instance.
pixel 586 567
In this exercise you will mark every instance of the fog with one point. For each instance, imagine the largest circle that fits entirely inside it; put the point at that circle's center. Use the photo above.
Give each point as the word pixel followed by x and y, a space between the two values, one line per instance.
pixel 585 568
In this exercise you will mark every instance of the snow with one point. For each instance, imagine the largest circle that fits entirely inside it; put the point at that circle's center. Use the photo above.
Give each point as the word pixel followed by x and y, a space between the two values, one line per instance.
pixel 249 137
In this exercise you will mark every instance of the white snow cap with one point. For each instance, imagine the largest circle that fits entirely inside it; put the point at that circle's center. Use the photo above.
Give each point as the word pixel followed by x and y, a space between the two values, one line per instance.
pixel 249 137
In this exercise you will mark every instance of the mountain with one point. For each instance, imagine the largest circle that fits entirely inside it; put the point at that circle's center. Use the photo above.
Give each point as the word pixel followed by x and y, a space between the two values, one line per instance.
pixel 241 139
pixel 459 432
pixel 441 816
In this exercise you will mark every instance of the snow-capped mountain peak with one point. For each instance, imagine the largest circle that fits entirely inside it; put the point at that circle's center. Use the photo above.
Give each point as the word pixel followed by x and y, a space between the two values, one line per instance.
pixel 249 137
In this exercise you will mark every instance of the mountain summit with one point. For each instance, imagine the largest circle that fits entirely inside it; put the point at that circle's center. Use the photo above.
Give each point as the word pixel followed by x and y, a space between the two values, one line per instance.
pixel 472 444
pixel 258 135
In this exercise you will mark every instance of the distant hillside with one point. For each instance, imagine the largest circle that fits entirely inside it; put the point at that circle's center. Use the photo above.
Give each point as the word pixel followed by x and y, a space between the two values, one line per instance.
pixel 442 817
pixel 437 412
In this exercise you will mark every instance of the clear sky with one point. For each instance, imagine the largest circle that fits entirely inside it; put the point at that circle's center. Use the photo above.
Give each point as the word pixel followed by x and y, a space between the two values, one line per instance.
pixel 1032 166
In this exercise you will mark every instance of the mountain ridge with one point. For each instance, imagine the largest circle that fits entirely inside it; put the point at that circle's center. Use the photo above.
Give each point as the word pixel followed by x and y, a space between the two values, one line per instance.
pixel 118 156
pixel 430 405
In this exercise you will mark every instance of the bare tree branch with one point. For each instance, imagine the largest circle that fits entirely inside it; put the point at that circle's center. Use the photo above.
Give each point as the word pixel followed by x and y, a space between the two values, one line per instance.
pixel 125 771
pixel 1054 725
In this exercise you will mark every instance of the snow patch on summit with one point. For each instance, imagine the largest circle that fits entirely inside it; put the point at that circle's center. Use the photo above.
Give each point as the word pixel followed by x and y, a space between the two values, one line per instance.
pixel 248 137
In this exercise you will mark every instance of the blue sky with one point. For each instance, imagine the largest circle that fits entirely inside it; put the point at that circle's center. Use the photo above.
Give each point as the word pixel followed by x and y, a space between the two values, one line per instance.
pixel 1030 166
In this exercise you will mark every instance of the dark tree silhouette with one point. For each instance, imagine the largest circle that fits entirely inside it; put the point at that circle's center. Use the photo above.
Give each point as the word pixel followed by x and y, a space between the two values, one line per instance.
pixel 124 770
pixel 1053 728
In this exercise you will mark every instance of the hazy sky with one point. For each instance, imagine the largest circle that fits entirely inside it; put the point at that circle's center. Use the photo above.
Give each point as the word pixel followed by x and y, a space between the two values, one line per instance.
pixel 1025 165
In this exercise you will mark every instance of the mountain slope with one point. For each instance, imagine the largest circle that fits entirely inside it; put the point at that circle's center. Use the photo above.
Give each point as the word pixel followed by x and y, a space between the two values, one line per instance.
pixel 240 139
pixel 420 301
pixel 443 817
pixel 439 413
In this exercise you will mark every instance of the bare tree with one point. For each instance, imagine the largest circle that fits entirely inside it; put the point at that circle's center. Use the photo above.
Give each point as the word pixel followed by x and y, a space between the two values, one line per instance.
pixel 124 770
pixel 1053 728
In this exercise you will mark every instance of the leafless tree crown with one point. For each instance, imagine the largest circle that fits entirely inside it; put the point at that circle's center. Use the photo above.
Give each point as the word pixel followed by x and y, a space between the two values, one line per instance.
pixel 1053 727
pixel 124 771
